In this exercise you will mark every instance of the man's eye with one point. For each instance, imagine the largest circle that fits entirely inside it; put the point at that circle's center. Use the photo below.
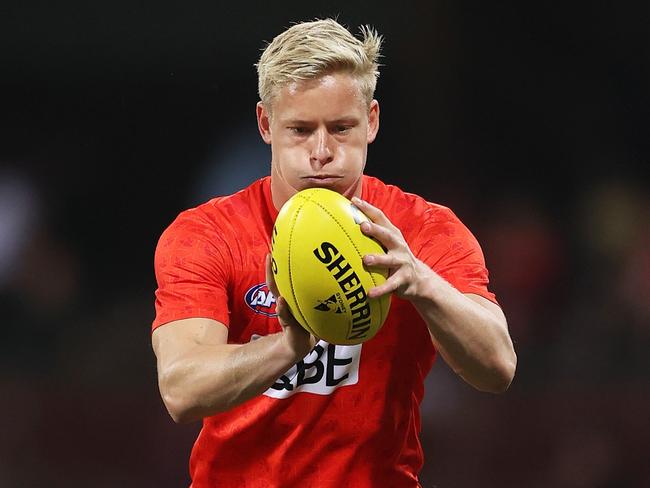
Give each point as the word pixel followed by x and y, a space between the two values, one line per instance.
pixel 342 128
pixel 299 130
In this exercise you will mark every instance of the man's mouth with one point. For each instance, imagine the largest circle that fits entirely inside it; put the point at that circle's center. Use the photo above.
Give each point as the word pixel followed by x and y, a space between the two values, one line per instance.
pixel 322 178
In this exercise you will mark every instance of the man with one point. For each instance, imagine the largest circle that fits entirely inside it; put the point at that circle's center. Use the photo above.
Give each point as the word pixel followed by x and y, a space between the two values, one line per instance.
pixel 280 409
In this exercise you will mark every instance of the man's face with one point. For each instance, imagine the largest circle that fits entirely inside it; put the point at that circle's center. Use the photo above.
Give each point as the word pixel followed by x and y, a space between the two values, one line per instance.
pixel 319 131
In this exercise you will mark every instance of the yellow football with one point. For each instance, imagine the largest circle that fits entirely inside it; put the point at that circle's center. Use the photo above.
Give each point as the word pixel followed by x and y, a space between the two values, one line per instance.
pixel 317 250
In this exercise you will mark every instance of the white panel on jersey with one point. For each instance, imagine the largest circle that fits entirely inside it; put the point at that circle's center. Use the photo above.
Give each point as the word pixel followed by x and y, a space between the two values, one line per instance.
pixel 326 368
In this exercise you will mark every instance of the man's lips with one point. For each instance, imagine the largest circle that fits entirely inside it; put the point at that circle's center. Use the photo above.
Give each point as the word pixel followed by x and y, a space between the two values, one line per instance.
pixel 322 177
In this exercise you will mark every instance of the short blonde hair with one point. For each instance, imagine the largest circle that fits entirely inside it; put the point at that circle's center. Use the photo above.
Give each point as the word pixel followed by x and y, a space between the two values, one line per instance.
pixel 309 50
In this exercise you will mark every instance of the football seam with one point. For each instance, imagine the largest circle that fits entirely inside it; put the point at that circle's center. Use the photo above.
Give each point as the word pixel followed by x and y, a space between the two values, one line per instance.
pixel 293 291
pixel 383 314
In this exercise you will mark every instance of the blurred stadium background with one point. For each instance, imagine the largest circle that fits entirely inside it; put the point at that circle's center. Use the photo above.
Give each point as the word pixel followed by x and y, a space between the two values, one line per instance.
pixel 530 121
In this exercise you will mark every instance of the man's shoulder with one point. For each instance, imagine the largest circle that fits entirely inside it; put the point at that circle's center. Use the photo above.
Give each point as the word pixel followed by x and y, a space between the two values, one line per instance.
pixel 222 213
pixel 250 197
pixel 400 204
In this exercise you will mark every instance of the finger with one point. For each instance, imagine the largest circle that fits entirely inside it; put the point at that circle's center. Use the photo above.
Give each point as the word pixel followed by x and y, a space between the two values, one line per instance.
pixel 282 309
pixel 382 261
pixel 386 236
pixel 284 313
pixel 388 286
pixel 372 212
pixel 270 280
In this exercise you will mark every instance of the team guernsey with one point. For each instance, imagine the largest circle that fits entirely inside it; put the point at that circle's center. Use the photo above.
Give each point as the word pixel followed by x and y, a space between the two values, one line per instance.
pixel 344 416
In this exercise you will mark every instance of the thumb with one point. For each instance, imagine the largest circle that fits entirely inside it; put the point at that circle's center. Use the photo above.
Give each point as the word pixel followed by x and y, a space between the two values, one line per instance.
pixel 270 280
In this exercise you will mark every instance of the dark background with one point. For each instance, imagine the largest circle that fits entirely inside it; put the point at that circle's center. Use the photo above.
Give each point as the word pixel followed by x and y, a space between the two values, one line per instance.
pixel 530 121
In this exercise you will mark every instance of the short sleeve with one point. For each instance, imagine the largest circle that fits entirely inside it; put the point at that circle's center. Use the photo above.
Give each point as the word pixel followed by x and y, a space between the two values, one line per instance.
pixel 451 250
pixel 192 271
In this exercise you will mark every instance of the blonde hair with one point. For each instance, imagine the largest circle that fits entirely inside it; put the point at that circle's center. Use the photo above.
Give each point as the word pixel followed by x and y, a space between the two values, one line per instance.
pixel 309 50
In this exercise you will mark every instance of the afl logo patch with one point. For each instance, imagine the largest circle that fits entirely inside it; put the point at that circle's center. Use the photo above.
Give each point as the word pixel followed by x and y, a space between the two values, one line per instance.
pixel 260 299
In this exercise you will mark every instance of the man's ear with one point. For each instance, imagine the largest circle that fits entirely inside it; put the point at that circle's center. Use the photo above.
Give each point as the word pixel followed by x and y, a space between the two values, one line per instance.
pixel 263 122
pixel 373 121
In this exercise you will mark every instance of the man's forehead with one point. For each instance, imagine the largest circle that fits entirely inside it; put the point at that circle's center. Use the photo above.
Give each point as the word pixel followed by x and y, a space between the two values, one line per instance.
pixel 339 94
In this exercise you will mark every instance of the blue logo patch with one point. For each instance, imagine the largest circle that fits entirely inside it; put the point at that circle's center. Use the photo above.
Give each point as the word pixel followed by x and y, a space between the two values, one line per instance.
pixel 260 299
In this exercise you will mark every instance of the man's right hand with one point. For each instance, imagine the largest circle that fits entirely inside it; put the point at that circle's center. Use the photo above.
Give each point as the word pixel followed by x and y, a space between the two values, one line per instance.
pixel 296 338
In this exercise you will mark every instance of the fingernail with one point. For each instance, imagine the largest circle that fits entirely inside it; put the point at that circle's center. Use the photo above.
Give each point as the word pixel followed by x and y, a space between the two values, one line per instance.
pixel 368 259
pixel 365 226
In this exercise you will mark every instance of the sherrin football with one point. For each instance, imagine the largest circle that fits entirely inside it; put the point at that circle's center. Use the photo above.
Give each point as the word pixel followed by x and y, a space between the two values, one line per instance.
pixel 317 249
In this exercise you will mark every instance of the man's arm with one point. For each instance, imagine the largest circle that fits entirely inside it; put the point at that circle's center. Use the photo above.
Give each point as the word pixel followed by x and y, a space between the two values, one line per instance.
pixel 469 331
pixel 471 334
pixel 200 374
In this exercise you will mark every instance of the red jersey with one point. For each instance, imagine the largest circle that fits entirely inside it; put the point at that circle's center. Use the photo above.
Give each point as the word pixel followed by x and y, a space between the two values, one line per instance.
pixel 344 416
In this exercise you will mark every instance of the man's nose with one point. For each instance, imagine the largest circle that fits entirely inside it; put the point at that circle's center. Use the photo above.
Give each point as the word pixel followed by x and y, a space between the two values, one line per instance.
pixel 322 150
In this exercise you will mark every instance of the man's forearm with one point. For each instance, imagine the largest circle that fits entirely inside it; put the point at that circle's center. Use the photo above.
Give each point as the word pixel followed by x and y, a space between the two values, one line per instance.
pixel 472 338
pixel 208 379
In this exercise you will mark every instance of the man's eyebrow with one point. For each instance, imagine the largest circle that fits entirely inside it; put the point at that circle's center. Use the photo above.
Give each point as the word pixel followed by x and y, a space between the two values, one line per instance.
pixel 350 119
pixel 298 121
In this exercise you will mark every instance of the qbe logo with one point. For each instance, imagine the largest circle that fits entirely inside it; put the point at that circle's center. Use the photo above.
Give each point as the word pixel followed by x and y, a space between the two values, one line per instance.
pixel 260 299
pixel 326 368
